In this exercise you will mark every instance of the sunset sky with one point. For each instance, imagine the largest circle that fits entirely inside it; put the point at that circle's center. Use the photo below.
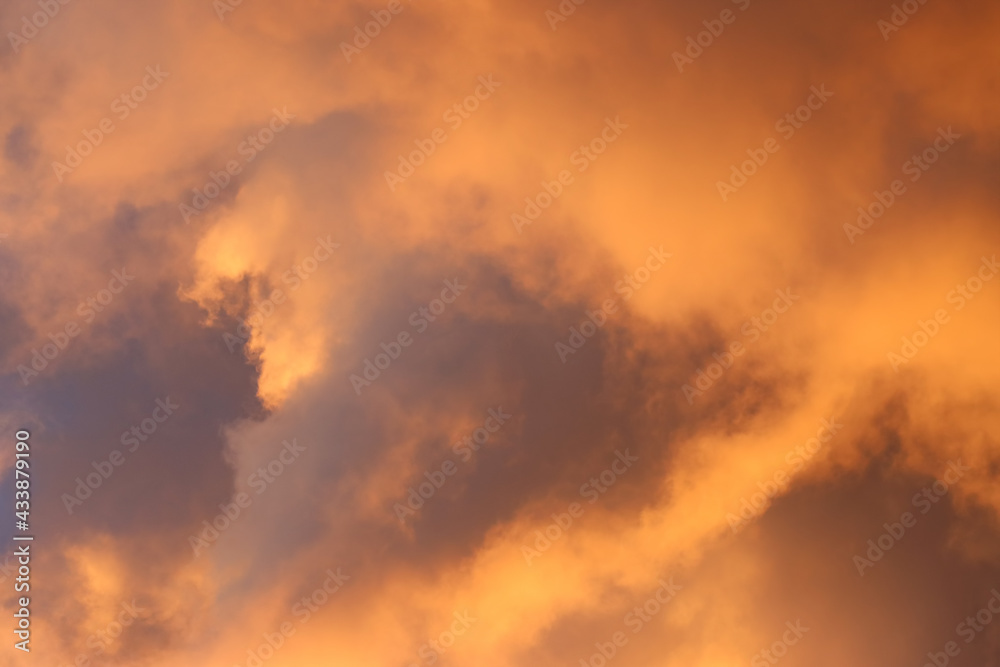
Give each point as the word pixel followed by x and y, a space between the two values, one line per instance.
pixel 505 334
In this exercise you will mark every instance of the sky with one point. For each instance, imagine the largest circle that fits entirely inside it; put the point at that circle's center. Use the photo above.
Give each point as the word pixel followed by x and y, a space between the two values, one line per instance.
pixel 509 334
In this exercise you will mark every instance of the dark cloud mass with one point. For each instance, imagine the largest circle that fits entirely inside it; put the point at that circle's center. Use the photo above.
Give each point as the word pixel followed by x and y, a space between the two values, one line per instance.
pixel 465 340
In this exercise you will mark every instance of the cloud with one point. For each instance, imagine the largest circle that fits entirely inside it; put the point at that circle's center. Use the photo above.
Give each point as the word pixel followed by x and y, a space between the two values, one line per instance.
pixel 287 212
